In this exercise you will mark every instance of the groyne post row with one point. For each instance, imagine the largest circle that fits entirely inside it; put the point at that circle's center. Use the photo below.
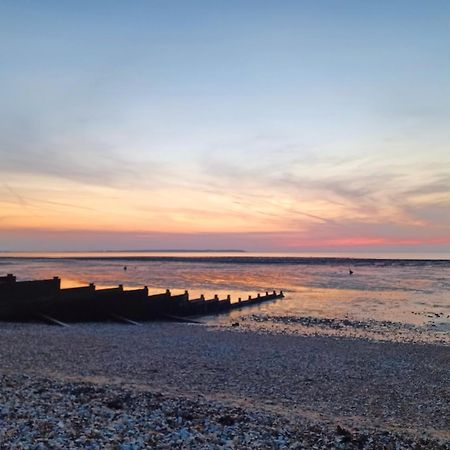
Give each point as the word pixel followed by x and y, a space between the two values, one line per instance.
pixel 45 300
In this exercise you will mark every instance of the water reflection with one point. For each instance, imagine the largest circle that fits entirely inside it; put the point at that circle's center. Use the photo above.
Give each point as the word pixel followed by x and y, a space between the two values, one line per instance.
pixel 408 293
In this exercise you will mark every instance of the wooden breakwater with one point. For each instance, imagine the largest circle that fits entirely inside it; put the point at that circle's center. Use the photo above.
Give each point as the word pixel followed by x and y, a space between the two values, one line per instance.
pixel 45 300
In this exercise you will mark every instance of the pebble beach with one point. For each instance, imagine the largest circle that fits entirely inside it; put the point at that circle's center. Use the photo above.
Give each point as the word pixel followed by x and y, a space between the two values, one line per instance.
pixel 188 386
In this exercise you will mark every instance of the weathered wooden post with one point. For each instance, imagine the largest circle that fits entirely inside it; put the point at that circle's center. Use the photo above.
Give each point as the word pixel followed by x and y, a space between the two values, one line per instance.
pixel 204 307
pixel 10 279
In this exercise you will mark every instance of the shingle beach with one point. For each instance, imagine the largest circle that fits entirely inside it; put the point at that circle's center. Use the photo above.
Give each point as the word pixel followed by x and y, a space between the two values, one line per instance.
pixel 169 385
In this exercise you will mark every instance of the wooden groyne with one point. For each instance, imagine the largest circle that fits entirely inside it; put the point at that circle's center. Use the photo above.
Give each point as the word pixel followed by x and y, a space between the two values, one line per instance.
pixel 45 300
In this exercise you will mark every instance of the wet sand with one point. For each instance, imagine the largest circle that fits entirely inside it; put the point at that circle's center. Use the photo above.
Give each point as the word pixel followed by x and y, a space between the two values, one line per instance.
pixel 191 386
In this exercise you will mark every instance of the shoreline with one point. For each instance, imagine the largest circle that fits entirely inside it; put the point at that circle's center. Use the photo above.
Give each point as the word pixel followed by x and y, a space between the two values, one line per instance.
pixel 370 330
pixel 352 392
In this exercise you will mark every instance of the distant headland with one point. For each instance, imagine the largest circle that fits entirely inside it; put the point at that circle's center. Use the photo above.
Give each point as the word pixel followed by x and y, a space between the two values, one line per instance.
pixel 208 250
pixel 129 251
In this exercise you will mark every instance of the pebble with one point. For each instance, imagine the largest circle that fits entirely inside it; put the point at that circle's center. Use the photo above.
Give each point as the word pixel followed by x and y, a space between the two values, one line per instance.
pixel 188 387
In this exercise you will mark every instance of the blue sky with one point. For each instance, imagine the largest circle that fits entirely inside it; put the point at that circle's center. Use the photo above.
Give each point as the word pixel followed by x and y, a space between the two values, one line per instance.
pixel 322 124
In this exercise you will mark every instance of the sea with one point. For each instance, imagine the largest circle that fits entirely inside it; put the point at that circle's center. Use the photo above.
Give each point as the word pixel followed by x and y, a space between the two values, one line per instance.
pixel 401 298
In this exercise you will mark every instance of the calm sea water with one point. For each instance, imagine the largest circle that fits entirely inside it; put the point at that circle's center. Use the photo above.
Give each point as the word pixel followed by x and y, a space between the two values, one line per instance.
pixel 409 291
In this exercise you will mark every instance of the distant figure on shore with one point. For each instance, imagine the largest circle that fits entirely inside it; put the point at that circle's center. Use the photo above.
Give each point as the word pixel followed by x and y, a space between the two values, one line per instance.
pixel 350 271
pixel 124 267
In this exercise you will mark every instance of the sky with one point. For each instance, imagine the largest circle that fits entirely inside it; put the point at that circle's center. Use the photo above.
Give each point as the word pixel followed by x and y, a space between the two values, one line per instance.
pixel 259 125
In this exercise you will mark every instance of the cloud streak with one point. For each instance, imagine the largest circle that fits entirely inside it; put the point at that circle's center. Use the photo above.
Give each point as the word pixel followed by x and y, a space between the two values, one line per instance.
pixel 198 125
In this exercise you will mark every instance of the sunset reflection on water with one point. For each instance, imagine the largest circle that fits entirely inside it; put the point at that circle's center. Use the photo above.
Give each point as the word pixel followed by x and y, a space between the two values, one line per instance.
pixel 407 293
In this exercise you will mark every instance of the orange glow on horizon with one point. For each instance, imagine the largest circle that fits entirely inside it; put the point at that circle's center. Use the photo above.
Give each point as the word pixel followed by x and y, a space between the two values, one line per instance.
pixel 368 242
pixel 233 218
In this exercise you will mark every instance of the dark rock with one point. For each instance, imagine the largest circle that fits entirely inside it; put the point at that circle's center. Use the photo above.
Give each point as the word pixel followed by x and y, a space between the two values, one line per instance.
pixel 83 390
pixel 227 420
pixel 118 402
pixel 114 403
pixel 347 436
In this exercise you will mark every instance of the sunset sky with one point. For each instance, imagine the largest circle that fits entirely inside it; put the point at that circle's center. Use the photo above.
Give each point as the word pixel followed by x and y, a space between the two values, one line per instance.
pixel 260 125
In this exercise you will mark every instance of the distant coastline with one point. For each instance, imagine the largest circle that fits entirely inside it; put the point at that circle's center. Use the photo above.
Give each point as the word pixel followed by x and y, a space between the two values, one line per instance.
pixel 128 251
pixel 174 251
pixel 233 257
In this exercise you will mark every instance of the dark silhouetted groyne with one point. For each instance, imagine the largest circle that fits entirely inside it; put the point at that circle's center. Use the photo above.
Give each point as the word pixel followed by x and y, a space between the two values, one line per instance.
pixel 45 300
